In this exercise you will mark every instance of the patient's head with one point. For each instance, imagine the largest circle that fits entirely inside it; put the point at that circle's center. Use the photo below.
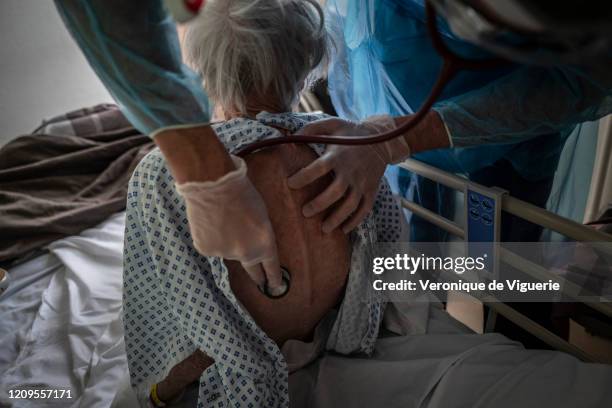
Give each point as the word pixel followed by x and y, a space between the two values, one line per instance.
pixel 256 55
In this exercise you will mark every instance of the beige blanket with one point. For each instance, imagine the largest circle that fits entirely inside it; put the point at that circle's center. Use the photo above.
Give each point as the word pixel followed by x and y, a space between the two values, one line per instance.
pixel 69 175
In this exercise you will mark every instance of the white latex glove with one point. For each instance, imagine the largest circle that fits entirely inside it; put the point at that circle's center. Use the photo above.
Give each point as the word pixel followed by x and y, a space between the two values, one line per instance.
pixel 228 218
pixel 357 170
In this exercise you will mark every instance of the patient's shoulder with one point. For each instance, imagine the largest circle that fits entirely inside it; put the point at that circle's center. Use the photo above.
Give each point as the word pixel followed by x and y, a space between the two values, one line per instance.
pixel 152 185
pixel 152 169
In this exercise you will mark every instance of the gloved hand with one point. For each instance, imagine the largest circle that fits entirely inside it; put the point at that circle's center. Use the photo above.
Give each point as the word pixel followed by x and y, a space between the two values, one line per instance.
pixel 357 170
pixel 228 218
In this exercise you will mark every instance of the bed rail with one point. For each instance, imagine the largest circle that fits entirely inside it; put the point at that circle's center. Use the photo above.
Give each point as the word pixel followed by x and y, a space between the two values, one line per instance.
pixel 531 213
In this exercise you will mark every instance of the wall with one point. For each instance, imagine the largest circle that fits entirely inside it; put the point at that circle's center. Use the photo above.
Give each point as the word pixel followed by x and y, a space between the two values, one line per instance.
pixel 42 72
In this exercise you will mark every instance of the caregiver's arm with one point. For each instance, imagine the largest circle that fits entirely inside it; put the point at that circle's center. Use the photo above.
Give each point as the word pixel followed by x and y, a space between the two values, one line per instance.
pixel 529 102
pixel 194 154
pixel 133 47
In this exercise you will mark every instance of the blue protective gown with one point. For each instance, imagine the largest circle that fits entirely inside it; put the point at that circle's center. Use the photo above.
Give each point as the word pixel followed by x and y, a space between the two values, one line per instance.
pixel 385 63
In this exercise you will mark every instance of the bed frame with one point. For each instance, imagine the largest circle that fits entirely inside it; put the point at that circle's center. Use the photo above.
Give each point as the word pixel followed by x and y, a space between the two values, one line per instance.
pixel 529 212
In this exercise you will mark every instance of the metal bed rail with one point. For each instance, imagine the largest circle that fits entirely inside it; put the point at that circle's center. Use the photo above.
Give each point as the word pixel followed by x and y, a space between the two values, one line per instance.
pixel 527 211
pixel 531 213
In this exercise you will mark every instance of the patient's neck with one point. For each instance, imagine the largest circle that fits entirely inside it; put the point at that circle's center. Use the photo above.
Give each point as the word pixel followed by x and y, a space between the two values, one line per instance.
pixel 255 106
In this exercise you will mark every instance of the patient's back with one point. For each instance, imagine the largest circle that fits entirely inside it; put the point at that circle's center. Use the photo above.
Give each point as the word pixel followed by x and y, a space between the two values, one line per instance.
pixel 318 262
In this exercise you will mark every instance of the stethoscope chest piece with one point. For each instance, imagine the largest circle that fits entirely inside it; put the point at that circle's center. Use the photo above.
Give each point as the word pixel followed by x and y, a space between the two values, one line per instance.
pixel 285 288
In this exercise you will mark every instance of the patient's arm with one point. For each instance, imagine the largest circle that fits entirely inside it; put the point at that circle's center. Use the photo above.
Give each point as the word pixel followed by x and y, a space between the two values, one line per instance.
pixel 318 262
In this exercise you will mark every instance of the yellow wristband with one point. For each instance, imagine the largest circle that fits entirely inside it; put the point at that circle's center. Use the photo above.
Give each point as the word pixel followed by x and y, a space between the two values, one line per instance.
pixel 155 398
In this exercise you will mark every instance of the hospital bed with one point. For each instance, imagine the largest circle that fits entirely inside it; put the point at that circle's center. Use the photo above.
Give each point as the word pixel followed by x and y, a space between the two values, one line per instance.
pixel 60 324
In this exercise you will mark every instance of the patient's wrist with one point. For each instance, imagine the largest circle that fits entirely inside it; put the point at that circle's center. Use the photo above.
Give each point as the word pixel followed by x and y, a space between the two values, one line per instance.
pixel 168 390
pixel 194 153
pixel 183 374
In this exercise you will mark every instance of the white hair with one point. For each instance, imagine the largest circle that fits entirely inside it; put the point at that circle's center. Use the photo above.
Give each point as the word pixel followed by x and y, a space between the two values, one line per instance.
pixel 256 49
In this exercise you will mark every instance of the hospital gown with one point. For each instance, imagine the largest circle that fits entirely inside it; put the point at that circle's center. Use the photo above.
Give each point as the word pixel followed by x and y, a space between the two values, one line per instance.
pixel 177 301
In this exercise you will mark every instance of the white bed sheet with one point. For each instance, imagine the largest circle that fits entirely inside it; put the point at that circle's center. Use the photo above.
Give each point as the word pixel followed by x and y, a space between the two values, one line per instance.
pixel 446 368
pixel 60 321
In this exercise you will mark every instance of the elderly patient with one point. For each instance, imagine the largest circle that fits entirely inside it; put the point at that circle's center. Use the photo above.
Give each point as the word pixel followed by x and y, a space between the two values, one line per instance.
pixel 190 317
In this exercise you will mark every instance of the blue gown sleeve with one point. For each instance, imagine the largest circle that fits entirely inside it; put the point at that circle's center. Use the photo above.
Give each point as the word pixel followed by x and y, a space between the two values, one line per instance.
pixel 529 102
pixel 133 47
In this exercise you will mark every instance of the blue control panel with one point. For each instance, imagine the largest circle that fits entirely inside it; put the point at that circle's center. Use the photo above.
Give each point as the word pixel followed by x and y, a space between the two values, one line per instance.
pixel 480 217
pixel 483 215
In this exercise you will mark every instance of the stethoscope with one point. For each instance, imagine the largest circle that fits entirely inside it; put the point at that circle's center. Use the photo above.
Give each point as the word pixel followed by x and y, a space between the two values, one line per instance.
pixel 452 64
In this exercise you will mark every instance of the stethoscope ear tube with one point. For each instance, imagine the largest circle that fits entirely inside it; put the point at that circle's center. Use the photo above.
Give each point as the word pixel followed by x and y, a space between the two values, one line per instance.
pixel 452 64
